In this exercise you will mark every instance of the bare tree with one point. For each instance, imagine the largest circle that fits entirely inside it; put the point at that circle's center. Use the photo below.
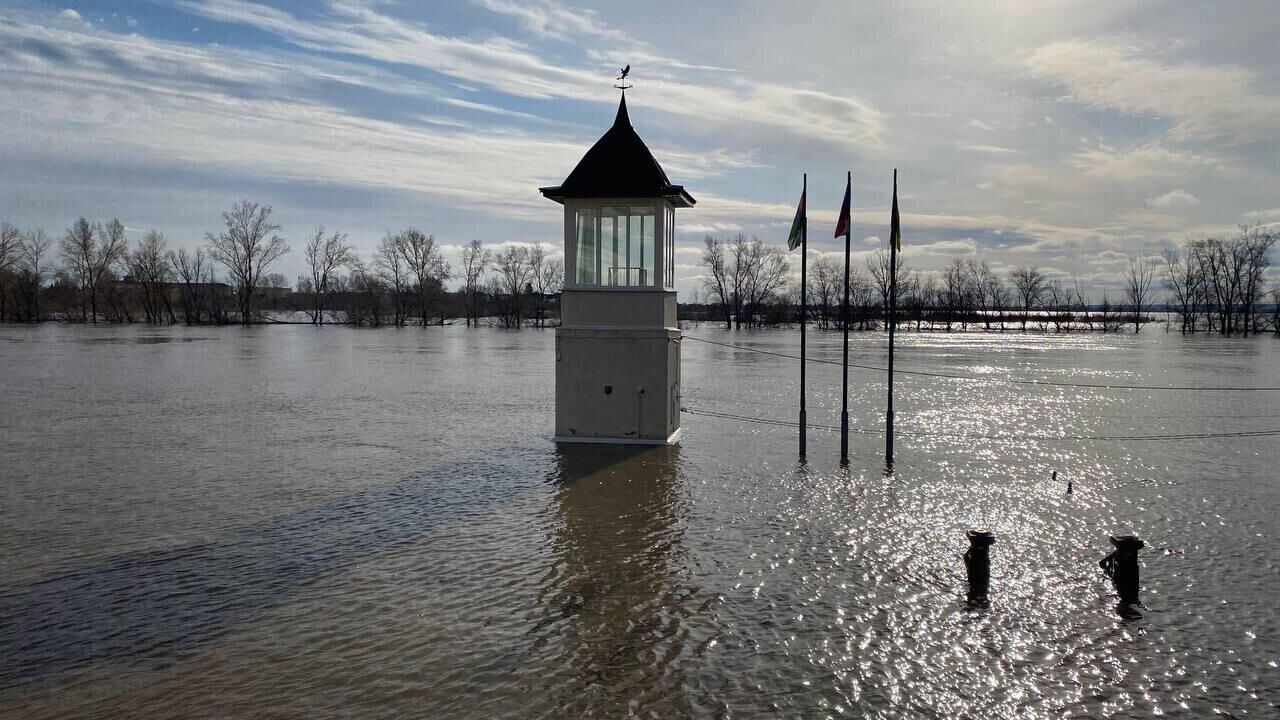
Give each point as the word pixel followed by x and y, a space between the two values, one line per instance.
pixel 90 252
pixel 10 246
pixel 984 289
pixel 1183 282
pixel 1028 282
pixel 10 250
pixel 325 255
pixel 1137 290
pixel 998 296
pixel 1057 300
pixel 247 246
pixel 537 258
pixel 1275 310
pixel 742 276
pixel 190 269
pixel 395 276
pixel 826 288
pixel 548 275
pixel 427 269
pixel 113 252
pixel 35 247
pixel 1110 315
pixel 717 281
pixel 476 260
pixel 365 290
pixel 764 271
pixel 1079 304
pixel 150 268
pixel 954 291
pixel 862 294
pixel 1257 244
pixel 513 281
pixel 882 276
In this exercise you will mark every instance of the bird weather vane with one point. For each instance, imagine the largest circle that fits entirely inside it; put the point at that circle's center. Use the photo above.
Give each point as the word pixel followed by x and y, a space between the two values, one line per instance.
pixel 622 78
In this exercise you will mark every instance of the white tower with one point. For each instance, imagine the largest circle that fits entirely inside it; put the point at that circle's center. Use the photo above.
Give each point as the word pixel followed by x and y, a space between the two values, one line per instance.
pixel 618 345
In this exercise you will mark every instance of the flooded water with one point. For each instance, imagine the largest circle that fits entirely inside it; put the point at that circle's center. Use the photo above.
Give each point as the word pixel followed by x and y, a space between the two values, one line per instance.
pixel 302 522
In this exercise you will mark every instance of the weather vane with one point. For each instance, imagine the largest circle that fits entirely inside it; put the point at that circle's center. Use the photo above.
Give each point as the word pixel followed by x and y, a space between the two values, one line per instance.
pixel 622 78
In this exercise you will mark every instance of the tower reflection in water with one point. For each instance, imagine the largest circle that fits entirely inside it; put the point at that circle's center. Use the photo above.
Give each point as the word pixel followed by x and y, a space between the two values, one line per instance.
pixel 615 601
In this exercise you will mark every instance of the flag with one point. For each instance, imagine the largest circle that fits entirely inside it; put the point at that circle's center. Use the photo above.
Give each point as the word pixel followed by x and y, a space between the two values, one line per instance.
pixel 895 228
pixel 797 225
pixel 842 225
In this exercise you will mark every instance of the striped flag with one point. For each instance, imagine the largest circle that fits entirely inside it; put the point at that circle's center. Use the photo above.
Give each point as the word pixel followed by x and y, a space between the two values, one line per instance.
pixel 843 224
pixel 797 225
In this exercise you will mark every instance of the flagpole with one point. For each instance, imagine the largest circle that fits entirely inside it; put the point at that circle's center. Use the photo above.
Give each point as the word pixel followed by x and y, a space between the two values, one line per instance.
pixel 804 257
pixel 893 314
pixel 844 320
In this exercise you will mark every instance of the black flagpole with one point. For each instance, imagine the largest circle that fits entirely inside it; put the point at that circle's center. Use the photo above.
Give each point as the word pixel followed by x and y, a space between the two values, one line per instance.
pixel 804 256
pixel 893 314
pixel 844 320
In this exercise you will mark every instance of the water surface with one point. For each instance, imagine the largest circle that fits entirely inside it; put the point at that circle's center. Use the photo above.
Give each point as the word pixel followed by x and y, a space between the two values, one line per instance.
pixel 292 521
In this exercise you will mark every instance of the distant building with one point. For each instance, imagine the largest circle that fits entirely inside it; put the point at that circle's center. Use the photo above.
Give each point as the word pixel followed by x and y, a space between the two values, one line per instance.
pixel 618 345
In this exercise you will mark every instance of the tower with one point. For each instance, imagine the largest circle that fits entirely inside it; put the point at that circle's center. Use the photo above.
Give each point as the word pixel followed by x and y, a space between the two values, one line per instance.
pixel 618 345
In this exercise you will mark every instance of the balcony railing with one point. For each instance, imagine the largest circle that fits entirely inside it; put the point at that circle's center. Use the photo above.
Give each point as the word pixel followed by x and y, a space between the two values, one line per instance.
pixel 628 276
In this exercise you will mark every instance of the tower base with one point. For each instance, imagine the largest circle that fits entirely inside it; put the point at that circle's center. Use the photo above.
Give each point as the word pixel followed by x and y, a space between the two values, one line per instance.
pixel 674 439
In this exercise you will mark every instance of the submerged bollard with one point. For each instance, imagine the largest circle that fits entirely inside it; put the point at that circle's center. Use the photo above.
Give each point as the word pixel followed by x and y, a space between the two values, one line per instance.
pixel 977 563
pixel 1122 567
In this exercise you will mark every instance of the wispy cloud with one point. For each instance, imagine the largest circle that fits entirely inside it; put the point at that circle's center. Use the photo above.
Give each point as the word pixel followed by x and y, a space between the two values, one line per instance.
pixel 1219 102
pixel 989 149
pixel 1173 198
pixel 498 63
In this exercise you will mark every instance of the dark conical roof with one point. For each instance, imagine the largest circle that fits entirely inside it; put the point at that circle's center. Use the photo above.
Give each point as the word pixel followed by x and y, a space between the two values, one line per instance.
pixel 619 165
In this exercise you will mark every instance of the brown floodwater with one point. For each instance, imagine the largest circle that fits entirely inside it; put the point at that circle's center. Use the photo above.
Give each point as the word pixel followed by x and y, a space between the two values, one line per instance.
pixel 304 522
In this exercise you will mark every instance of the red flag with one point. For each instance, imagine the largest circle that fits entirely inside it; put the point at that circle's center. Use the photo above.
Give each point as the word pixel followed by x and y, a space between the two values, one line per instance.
pixel 843 224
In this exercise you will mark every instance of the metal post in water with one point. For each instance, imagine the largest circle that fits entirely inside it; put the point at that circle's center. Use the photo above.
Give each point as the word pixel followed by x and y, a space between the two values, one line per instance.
pixel 977 564
pixel 1122 567
pixel 804 301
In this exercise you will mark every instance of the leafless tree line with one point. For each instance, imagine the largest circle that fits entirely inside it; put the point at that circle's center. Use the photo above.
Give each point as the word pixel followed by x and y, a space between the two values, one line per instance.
pixel 1219 282
pixel 744 279
pixel 229 279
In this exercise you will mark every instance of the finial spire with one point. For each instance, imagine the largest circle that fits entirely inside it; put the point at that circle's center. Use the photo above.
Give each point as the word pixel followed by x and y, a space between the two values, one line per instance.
pixel 622 119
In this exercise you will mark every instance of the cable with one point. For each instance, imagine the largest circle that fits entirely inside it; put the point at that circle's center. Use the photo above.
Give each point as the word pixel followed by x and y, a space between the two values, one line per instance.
pixel 948 376
pixel 976 436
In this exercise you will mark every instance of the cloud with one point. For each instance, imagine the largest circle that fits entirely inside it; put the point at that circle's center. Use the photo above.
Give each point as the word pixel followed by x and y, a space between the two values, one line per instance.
pixel 990 149
pixel 71 15
pixel 1144 222
pixel 708 228
pixel 251 116
pixel 508 66
pixel 1260 215
pixel 1151 161
pixel 1219 102
pixel 550 19
pixel 952 248
pixel 1173 198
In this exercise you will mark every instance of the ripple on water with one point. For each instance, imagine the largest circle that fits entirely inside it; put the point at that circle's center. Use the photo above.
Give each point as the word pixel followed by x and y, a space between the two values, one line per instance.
pixel 326 539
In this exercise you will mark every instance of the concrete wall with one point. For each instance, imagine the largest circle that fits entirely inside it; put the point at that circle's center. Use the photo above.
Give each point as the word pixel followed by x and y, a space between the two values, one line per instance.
pixel 618 308
pixel 599 375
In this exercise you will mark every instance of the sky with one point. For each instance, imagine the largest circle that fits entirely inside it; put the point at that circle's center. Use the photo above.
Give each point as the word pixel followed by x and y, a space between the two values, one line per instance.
pixel 1064 135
